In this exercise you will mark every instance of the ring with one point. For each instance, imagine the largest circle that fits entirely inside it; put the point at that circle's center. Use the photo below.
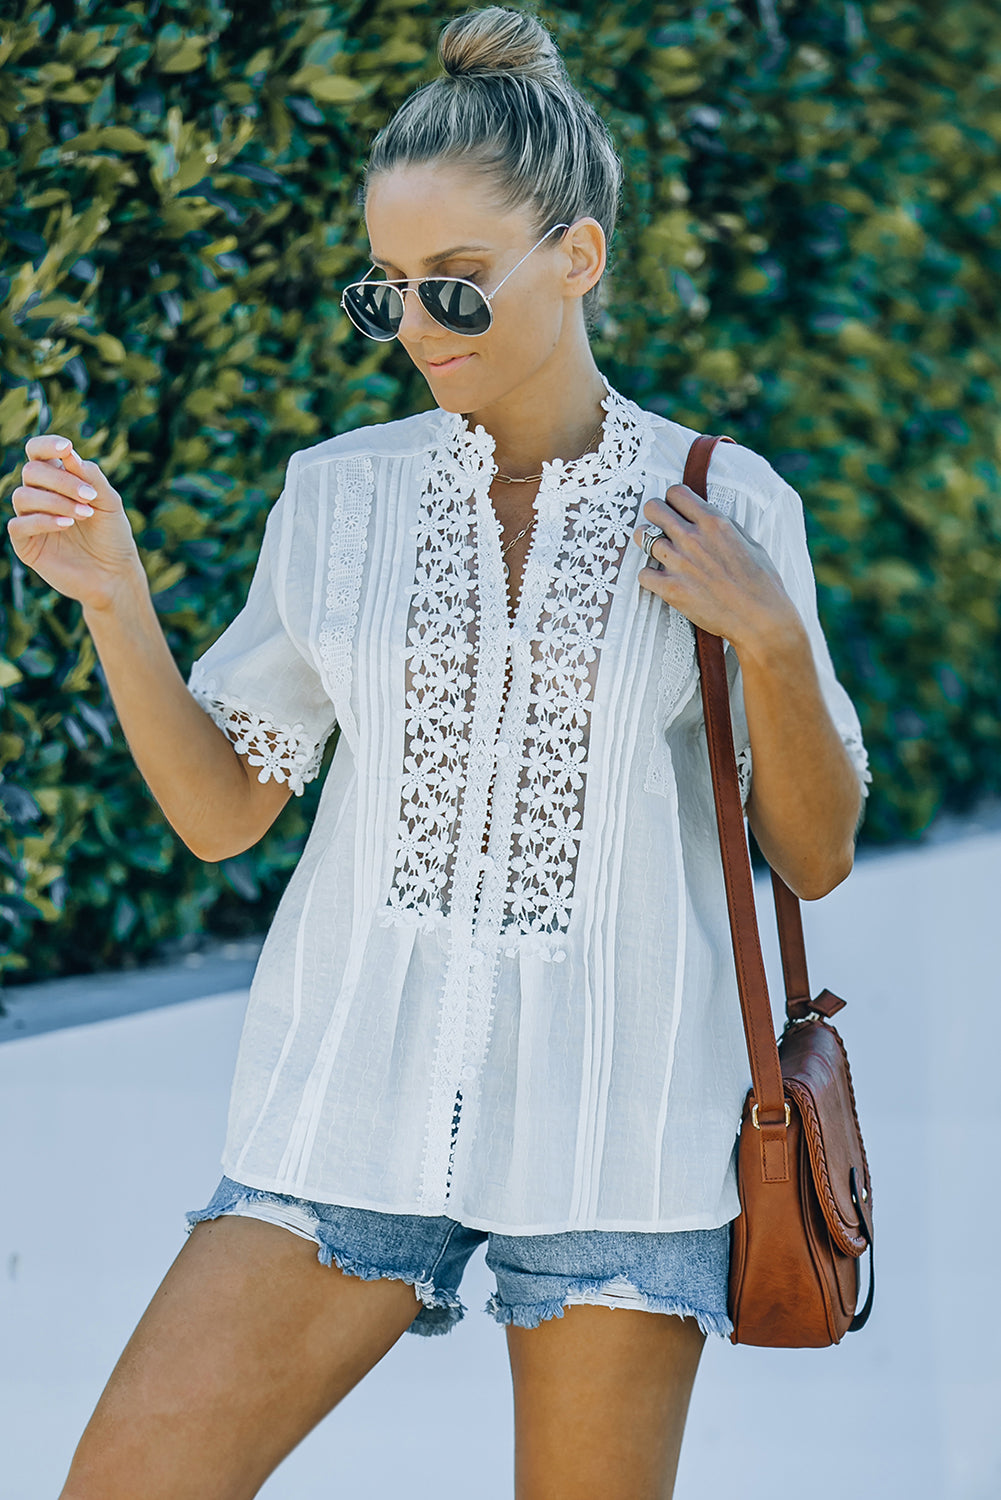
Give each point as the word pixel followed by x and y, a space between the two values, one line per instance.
pixel 651 533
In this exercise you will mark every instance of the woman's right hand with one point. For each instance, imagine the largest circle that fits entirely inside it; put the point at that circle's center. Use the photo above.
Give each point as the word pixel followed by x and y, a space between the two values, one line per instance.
pixel 94 556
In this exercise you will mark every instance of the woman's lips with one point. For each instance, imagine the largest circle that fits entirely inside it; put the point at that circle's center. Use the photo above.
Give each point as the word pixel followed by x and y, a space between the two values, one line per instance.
pixel 450 364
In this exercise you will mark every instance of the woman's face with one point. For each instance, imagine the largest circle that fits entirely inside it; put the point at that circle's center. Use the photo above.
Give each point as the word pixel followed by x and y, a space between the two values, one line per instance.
pixel 414 215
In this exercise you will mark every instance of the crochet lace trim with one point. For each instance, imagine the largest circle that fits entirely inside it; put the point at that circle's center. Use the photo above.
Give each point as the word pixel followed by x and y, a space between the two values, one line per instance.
pixel 282 751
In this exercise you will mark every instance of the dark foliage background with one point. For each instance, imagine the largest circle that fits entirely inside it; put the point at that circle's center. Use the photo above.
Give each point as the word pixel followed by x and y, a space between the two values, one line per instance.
pixel 808 259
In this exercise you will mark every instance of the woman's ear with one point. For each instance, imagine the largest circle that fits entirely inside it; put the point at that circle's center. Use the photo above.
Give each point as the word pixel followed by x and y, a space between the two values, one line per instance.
pixel 585 243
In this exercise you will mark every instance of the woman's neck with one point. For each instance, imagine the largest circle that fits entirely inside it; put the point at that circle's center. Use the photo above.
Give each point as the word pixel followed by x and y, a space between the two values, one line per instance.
pixel 532 427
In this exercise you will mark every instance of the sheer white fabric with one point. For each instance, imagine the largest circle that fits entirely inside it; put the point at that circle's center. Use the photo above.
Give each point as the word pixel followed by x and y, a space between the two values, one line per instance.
pixel 499 983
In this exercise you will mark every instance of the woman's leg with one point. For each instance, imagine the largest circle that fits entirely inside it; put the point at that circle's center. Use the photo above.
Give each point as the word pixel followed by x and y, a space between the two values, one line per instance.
pixel 600 1400
pixel 248 1342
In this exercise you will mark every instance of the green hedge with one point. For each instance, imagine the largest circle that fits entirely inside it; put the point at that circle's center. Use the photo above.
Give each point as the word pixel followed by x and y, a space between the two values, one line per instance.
pixel 808 260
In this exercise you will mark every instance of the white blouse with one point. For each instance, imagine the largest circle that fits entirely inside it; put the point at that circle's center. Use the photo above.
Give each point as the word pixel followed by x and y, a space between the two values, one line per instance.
pixel 499 983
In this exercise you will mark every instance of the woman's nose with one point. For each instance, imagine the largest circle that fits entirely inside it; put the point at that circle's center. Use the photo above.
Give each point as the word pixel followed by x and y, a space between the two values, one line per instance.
pixel 416 320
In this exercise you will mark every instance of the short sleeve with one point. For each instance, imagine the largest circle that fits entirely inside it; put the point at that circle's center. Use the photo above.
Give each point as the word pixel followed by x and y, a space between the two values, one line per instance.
pixel 258 681
pixel 780 527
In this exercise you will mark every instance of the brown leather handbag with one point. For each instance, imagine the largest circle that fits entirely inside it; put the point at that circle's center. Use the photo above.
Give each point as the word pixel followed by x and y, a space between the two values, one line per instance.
pixel 802 1174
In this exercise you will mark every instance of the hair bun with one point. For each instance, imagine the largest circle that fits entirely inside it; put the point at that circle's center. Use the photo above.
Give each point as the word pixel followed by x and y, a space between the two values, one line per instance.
pixel 493 41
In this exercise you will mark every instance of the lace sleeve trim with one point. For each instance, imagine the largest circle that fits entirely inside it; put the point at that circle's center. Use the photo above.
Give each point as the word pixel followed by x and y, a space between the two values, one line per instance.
pixel 852 741
pixel 744 774
pixel 283 752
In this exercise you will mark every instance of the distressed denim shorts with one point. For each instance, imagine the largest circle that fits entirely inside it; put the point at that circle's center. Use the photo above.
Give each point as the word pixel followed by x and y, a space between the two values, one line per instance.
pixel 684 1272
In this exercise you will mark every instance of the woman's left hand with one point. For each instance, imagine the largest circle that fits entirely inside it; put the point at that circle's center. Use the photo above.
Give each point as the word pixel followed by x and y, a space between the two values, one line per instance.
pixel 713 571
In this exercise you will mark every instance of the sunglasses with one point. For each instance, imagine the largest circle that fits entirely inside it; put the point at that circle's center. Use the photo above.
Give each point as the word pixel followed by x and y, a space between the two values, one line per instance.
pixel 376 307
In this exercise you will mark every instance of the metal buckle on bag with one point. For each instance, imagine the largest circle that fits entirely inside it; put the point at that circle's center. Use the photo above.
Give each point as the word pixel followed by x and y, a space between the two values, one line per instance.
pixel 754 1115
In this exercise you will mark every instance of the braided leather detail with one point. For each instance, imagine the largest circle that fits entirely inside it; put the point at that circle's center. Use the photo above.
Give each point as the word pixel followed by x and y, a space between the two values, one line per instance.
pixel 849 1243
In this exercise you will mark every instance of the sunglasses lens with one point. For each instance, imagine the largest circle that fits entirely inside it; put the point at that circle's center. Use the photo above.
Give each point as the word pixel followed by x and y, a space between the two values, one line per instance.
pixel 375 308
pixel 456 306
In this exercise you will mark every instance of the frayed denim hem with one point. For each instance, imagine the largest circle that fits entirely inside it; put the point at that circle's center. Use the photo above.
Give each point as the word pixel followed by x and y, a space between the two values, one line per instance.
pixel 440 1311
pixel 531 1314
pixel 439 1314
pixel 223 1202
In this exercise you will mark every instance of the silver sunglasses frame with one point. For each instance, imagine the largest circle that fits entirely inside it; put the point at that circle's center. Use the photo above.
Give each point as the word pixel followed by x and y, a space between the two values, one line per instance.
pixel 406 287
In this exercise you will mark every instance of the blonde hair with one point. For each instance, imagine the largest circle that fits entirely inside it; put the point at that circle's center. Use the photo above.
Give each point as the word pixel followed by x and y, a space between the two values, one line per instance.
pixel 506 106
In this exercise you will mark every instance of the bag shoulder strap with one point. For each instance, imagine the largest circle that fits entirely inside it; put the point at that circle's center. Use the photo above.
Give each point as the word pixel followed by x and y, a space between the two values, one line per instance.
pixel 769 1114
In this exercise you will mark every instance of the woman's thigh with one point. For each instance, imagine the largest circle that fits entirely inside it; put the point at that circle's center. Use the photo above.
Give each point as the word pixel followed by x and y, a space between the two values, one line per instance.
pixel 601 1392
pixel 601 1396
pixel 248 1342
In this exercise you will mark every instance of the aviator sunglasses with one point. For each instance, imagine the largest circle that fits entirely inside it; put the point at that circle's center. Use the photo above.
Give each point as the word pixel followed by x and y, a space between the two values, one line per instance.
pixel 376 307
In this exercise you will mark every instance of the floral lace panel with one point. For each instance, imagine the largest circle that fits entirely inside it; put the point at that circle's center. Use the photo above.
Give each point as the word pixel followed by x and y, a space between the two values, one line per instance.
pixel 585 537
pixel 587 512
pixel 281 752
pixel 566 651
pixel 439 656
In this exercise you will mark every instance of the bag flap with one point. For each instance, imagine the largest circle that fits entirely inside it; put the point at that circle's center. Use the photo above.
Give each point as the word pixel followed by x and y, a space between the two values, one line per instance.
pixel 817 1079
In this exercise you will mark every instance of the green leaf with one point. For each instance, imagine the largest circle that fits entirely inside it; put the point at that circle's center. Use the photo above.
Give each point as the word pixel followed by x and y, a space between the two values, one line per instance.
pixel 337 88
pixel 111 138
pixel 182 56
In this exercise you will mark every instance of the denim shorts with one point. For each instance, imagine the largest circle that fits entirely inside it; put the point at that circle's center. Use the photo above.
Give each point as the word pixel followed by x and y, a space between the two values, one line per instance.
pixel 684 1272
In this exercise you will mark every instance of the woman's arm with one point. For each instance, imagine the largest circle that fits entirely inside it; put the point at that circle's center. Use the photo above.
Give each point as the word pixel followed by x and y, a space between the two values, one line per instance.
pixel 202 784
pixel 805 793
pixel 205 789
pixel 806 796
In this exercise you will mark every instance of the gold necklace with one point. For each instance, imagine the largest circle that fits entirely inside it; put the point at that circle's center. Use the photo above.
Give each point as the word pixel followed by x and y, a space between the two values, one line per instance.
pixel 507 480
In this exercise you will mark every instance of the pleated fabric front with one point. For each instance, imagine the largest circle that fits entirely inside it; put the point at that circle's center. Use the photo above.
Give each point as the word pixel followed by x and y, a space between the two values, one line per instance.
pixel 499 983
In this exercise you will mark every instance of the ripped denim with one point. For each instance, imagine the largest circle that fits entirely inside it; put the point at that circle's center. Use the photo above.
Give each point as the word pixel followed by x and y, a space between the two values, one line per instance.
pixel 683 1272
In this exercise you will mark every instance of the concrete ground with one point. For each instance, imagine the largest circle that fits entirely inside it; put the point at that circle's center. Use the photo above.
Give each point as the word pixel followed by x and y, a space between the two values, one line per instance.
pixel 110 1130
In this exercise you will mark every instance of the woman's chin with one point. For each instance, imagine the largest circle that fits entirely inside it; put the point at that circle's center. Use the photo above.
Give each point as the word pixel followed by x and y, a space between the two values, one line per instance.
pixel 453 401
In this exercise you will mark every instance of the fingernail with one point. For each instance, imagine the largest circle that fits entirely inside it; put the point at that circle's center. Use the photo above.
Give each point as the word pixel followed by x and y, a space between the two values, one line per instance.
pixel 84 510
pixel 87 492
pixel 65 521
pixel 62 444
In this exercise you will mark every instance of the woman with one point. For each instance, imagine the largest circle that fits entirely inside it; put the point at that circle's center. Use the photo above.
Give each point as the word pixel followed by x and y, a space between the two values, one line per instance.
pixel 497 1002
